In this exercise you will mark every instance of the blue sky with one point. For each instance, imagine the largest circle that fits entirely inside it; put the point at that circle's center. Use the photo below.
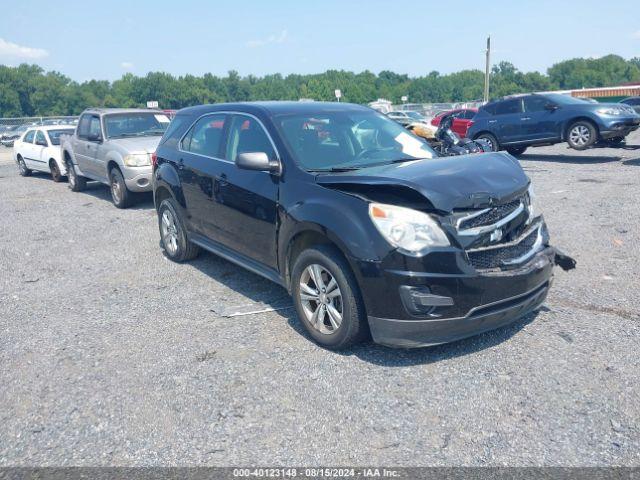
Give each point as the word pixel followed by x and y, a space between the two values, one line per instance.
pixel 270 36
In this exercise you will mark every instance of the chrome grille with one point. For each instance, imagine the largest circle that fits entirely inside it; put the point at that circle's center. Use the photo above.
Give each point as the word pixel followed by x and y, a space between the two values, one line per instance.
pixel 488 216
pixel 507 254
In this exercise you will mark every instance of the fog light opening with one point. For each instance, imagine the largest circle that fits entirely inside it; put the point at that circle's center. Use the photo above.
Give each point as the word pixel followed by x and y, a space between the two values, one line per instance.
pixel 420 300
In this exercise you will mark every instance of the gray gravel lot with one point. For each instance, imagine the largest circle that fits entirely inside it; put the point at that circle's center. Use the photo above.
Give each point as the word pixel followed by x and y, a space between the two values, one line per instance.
pixel 111 355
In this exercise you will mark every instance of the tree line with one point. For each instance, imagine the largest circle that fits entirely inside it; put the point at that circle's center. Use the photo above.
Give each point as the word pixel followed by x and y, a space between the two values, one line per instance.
pixel 27 90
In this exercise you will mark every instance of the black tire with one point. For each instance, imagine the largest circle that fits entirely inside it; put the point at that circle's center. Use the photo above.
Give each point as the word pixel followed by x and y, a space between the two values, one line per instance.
pixel 121 196
pixel 56 176
pixel 353 327
pixel 184 249
pixel 493 141
pixel 77 183
pixel 516 151
pixel 581 135
pixel 22 167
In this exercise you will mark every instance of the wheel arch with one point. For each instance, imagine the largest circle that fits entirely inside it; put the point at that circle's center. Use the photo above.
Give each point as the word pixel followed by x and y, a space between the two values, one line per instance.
pixel 581 118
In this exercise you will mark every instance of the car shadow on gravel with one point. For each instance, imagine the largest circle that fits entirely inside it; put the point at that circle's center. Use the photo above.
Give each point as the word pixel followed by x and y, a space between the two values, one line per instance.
pixel 568 158
pixel 141 201
pixel 254 288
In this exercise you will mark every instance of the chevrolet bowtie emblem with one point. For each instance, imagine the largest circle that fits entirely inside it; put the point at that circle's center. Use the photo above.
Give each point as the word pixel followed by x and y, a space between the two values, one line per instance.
pixel 496 235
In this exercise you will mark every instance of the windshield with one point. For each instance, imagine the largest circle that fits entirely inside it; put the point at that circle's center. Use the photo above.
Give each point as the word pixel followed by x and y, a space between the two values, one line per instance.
pixel 138 124
pixel 415 115
pixel 349 140
pixel 54 135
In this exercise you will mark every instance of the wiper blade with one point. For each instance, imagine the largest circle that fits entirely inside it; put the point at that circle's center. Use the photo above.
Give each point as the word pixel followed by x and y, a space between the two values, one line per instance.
pixel 335 169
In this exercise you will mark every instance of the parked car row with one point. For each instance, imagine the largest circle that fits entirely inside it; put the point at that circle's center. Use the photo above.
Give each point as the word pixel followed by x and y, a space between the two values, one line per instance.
pixel 10 133
pixel 517 122
pixel 368 228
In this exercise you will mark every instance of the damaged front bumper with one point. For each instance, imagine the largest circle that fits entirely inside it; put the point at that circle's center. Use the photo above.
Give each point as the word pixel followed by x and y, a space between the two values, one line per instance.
pixel 460 306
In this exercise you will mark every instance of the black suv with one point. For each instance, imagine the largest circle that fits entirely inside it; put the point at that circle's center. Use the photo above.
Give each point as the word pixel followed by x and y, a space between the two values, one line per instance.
pixel 367 228
pixel 517 122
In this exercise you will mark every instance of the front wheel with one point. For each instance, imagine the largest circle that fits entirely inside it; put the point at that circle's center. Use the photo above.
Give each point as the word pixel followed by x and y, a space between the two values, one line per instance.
pixel 515 151
pixel 581 135
pixel 56 176
pixel 122 197
pixel 22 167
pixel 327 298
pixel 491 140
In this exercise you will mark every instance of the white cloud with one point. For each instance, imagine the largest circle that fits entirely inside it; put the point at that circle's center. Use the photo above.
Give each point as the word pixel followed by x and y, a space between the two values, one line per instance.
pixel 279 38
pixel 10 49
pixel 636 35
pixel 127 65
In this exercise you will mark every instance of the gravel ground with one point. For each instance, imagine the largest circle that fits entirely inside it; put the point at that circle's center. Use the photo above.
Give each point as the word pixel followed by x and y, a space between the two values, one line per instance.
pixel 112 355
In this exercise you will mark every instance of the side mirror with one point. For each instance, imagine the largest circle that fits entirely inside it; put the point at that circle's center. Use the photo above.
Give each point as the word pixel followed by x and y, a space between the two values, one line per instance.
pixel 258 161
pixel 552 107
pixel 94 137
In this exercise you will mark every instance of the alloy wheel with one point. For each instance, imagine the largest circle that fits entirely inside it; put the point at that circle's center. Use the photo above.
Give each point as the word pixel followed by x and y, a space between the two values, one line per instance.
pixel 580 135
pixel 21 166
pixel 55 173
pixel 169 232
pixel 321 299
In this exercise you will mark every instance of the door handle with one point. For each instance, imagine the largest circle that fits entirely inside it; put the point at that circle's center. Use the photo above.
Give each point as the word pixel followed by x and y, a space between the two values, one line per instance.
pixel 493 121
pixel 180 164
pixel 525 118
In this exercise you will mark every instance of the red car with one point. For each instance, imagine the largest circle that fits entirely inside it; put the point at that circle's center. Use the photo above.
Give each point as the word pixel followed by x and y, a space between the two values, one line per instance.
pixel 463 119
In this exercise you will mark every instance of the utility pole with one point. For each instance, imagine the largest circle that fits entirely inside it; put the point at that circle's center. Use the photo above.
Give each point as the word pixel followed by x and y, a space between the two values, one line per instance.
pixel 486 70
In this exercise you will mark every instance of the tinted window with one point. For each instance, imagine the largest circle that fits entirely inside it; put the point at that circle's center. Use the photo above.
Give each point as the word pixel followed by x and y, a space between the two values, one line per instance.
pixel 535 103
pixel 508 107
pixel 83 126
pixel 40 138
pixel 29 136
pixel 54 135
pixel 205 137
pixel 468 114
pixel 632 101
pixel 247 135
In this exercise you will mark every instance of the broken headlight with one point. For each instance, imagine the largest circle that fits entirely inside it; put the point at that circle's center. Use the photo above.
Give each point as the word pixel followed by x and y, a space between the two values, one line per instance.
pixel 413 232
pixel 534 211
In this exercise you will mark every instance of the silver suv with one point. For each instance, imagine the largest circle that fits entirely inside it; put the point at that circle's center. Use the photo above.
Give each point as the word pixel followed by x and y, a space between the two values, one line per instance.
pixel 114 146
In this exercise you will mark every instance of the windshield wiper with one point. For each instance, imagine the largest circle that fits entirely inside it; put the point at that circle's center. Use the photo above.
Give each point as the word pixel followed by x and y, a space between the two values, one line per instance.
pixel 334 169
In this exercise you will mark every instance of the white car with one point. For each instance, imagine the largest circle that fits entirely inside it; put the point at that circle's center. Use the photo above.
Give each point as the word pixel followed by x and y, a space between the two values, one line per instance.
pixel 39 149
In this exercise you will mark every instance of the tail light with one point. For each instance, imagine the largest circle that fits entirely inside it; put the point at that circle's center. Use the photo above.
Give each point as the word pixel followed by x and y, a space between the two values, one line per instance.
pixel 154 160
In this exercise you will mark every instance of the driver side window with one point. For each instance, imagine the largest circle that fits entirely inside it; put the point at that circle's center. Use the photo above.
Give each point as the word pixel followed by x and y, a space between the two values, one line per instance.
pixel 247 135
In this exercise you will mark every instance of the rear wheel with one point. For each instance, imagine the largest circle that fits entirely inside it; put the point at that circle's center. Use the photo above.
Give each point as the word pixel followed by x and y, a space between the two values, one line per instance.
pixel 56 176
pixel 122 197
pixel 173 234
pixel 327 298
pixel 22 167
pixel 515 151
pixel 77 183
pixel 581 135
pixel 490 139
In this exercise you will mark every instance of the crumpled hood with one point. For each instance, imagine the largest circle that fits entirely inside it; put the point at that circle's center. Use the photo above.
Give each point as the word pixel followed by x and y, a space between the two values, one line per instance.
pixel 137 144
pixel 467 181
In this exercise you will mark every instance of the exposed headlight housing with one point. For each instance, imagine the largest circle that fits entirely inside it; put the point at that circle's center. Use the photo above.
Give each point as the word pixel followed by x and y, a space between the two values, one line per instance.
pixel 137 160
pixel 611 111
pixel 411 231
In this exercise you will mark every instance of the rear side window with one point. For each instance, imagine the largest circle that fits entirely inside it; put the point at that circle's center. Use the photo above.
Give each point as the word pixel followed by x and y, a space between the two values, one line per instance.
pixel 468 114
pixel 28 138
pixel 175 130
pixel 205 137
pixel 94 125
pixel 508 107
pixel 247 135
